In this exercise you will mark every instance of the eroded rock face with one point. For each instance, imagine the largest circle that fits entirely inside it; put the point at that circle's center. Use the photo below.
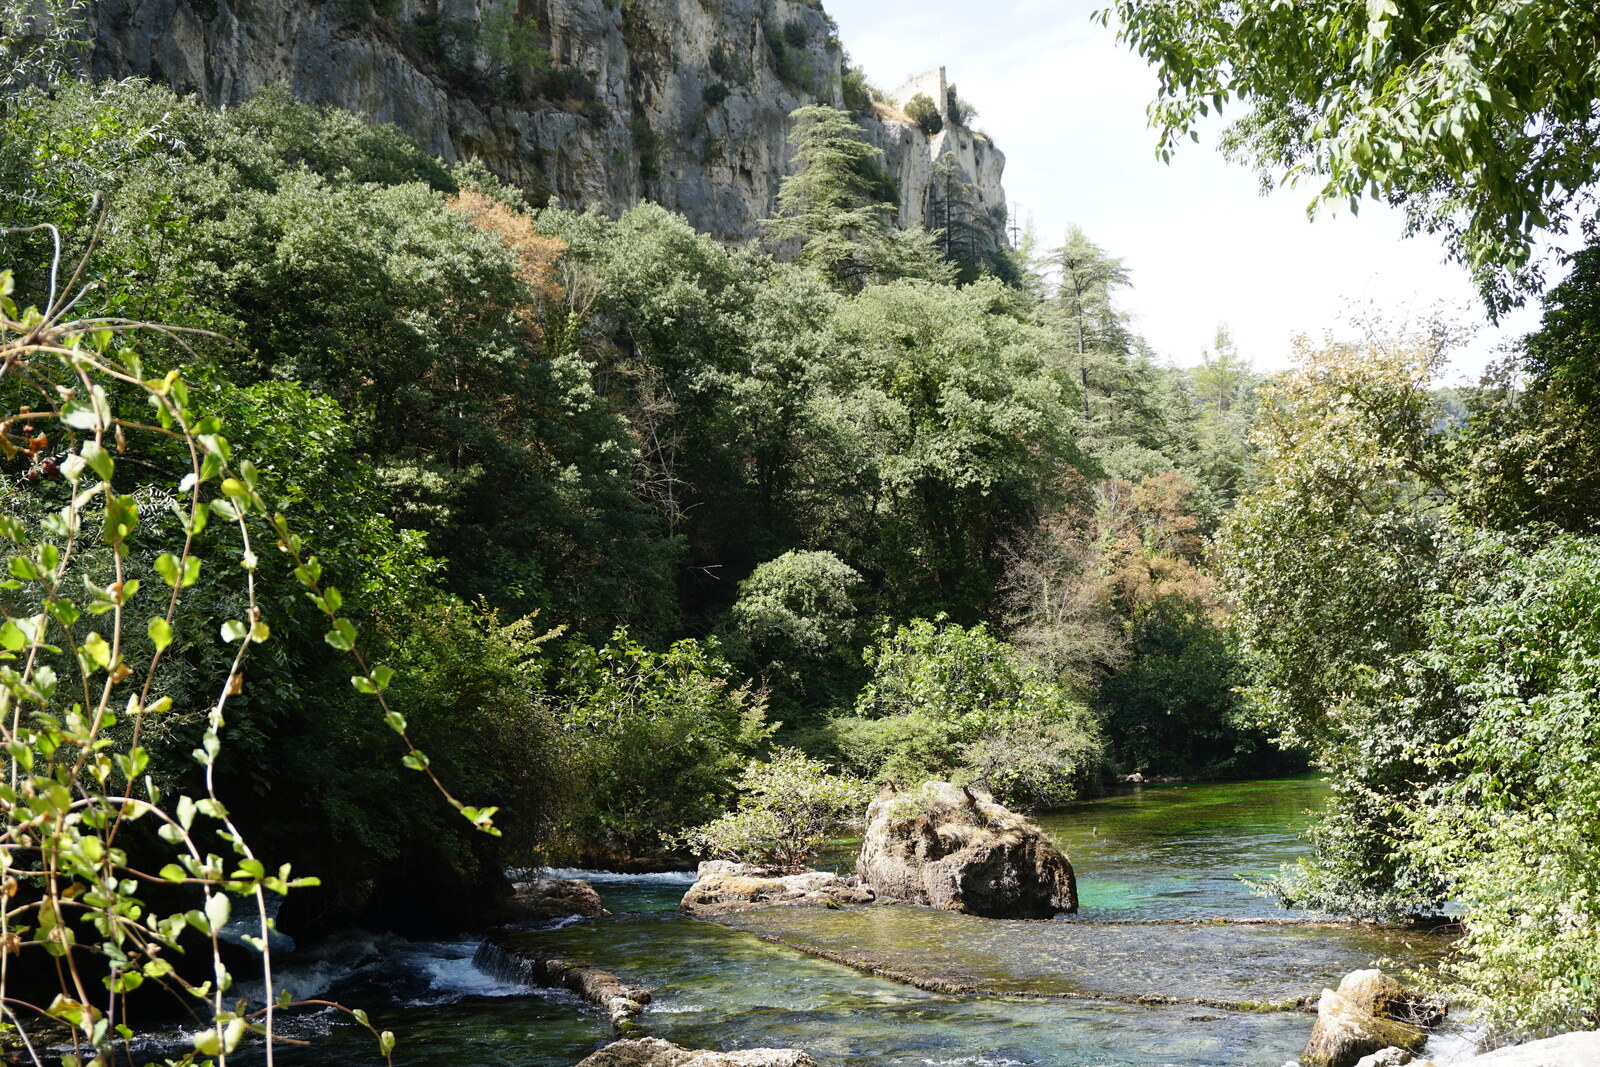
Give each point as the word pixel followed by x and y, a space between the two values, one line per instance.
pixel 723 887
pixel 555 898
pixel 953 847
pixel 654 1052
pixel 688 100
pixel 1368 1013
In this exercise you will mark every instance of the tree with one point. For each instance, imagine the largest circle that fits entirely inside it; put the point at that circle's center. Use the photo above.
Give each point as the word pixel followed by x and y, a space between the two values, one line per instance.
pixel 1532 442
pixel 1478 119
pixel 797 626
pixel 925 113
pixel 789 806
pixel 830 205
pixel 1332 563
pixel 947 426
pixel 945 698
pixel 827 203
pixel 1087 278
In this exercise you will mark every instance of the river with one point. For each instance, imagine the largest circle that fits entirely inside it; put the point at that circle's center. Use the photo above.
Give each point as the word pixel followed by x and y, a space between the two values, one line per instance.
pixel 1150 862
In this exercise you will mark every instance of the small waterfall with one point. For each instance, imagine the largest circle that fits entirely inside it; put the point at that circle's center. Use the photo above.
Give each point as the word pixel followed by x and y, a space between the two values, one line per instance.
pixel 503 965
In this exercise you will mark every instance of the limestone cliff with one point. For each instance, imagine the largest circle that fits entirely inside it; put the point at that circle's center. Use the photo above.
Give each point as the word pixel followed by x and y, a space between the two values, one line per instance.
pixel 595 102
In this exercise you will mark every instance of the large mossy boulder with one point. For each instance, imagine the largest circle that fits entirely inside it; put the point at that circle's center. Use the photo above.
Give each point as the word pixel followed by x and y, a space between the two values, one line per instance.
pixel 654 1052
pixel 953 847
pixel 1369 1012
pixel 723 887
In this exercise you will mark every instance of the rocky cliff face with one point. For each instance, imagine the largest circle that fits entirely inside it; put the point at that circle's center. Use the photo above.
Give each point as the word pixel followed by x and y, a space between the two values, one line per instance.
pixel 595 102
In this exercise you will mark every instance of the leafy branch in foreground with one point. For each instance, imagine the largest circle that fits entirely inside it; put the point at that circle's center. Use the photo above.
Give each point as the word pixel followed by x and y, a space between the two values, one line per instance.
pixel 103 873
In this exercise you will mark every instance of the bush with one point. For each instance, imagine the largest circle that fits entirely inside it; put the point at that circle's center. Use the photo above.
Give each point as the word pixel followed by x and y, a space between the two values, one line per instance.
pixel 796 624
pixel 925 113
pixel 946 700
pixel 715 93
pixel 657 738
pixel 857 92
pixel 791 805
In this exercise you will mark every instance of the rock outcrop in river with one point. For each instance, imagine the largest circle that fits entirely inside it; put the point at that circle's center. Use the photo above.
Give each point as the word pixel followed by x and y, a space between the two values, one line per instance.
pixel 953 847
pixel 654 1052
pixel 555 898
pixel 723 887
pixel 1367 1013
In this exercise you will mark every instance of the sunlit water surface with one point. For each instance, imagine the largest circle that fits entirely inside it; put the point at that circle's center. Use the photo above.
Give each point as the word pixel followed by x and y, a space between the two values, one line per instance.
pixel 1169 852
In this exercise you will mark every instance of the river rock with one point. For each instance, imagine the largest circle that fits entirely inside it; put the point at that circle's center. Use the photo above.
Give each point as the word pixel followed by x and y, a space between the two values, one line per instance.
pixel 1368 1013
pixel 1578 1049
pixel 1387 1057
pixel 555 898
pixel 654 1052
pixel 723 887
pixel 953 847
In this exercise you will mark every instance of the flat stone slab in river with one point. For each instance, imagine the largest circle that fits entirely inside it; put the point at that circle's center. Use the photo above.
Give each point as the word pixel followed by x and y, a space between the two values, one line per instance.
pixel 1224 965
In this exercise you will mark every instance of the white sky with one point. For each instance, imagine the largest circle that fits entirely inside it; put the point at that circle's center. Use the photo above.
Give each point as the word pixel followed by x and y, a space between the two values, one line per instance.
pixel 1066 103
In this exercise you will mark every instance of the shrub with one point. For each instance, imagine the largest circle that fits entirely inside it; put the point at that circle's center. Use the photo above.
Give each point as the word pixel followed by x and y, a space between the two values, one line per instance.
pixel 857 92
pixel 727 67
pixel 925 113
pixel 90 806
pixel 647 147
pixel 657 738
pixel 715 93
pixel 789 807
pixel 795 34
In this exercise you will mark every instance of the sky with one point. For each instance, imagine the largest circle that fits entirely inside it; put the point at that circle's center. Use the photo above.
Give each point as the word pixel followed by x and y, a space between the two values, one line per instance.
pixel 1066 104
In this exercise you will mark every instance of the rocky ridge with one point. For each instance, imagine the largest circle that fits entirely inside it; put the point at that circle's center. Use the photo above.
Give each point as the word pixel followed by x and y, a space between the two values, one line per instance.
pixel 597 103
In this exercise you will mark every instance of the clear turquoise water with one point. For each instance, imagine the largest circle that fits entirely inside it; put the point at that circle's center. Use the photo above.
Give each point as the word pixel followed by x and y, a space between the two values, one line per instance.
pixel 1161 852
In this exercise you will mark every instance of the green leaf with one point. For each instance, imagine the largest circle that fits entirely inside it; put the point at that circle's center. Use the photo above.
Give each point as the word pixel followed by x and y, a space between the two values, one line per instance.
pixel 98 650
pixel 99 459
pixel 343 635
pixel 234 630
pixel 160 634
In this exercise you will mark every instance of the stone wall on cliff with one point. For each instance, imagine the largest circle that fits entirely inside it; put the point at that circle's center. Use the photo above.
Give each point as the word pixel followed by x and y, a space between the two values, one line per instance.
pixel 599 103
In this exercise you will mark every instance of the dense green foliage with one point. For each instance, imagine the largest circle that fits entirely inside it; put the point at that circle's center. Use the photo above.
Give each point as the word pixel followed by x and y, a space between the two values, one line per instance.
pixel 1409 614
pixel 547 455
pixel 943 697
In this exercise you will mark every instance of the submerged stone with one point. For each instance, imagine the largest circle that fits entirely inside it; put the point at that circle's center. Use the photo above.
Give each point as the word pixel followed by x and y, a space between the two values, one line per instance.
pixel 724 887
pixel 953 847
pixel 654 1052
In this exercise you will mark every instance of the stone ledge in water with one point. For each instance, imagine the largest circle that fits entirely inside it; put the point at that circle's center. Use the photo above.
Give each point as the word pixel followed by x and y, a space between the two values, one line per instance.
pixel 1368 1013
pixel 620 1001
pixel 554 898
pixel 953 847
pixel 723 887
pixel 654 1052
